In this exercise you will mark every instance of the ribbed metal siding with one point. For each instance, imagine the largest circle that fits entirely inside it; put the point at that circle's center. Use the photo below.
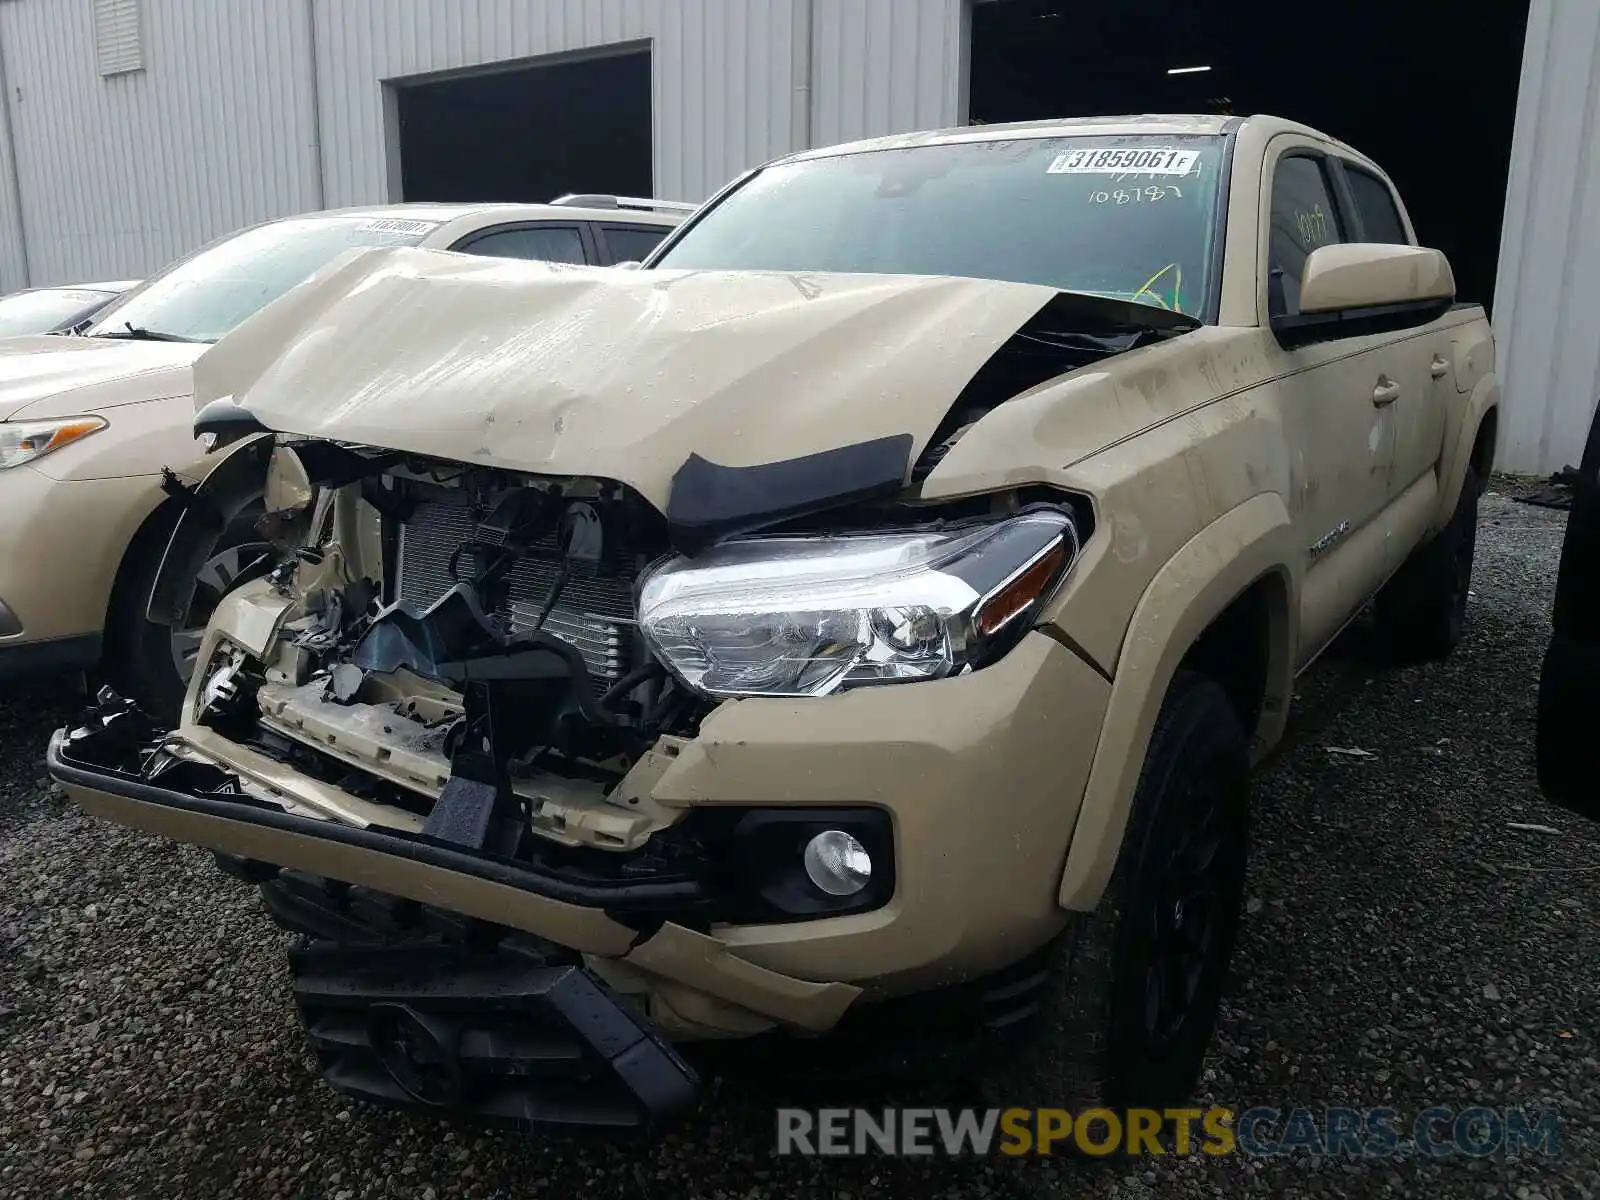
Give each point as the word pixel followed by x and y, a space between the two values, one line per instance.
pixel 1547 297
pixel 887 66
pixel 121 174
pixel 720 74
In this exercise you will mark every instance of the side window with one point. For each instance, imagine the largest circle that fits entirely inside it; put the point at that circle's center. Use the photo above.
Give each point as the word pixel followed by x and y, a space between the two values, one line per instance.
pixel 1303 218
pixel 552 243
pixel 631 242
pixel 1380 216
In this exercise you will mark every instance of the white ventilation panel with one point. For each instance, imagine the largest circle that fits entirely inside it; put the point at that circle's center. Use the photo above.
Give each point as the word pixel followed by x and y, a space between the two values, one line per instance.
pixel 116 36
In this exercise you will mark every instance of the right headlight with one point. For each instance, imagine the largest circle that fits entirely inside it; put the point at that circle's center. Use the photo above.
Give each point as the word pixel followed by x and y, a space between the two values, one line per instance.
pixel 807 616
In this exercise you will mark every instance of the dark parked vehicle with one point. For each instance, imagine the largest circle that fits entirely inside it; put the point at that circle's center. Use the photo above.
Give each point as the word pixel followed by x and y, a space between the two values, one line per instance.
pixel 1569 691
pixel 56 309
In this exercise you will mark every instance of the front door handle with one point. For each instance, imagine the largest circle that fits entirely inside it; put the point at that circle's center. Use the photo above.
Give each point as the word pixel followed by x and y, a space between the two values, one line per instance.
pixel 1386 392
pixel 1440 368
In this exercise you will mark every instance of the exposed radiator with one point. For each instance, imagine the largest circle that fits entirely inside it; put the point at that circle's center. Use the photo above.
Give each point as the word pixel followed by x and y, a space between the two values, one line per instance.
pixel 595 613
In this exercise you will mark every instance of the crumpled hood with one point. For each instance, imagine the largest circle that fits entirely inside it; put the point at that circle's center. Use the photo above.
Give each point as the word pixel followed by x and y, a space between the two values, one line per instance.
pixel 53 376
pixel 623 375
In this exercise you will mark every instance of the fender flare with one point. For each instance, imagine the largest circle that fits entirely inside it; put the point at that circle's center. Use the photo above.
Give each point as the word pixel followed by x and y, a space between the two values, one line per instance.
pixel 207 509
pixel 1485 398
pixel 1215 567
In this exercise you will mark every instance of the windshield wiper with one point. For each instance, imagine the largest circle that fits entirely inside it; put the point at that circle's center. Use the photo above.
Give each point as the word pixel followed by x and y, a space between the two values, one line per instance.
pixel 138 333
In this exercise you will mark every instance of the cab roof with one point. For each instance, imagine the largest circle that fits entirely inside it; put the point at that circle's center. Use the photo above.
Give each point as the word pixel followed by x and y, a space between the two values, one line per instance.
pixel 1147 123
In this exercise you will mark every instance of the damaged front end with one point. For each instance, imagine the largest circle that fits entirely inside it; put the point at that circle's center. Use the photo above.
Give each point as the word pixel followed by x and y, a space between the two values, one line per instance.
pixel 457 730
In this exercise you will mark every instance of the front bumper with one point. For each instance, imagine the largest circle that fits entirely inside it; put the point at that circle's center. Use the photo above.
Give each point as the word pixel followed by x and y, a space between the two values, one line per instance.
pixel 61 545
pixel 981 775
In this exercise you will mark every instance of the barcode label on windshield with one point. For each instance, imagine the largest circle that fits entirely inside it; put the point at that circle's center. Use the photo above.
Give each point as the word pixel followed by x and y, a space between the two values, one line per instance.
pixel 396 225
pixel 1148 160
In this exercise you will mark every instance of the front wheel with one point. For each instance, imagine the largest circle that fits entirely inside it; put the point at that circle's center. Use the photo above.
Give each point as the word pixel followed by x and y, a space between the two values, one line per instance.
pixel 1135 986
pixel 152 663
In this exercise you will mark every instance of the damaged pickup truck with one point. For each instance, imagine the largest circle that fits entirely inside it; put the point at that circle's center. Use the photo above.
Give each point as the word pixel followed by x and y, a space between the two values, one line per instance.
pixel 859 623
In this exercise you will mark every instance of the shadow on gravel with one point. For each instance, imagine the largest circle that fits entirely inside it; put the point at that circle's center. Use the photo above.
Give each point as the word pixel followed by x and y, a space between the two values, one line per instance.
pixel 30 710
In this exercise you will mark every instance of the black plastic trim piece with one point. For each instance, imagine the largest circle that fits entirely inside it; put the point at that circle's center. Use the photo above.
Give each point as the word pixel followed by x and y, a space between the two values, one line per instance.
pixel 1300 329
pixel 1212 312
pixel 708 501
pixel 227 421
pixel 505 1037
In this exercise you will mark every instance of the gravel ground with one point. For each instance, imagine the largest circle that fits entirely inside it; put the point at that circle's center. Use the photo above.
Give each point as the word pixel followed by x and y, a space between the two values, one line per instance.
pixel 1404 948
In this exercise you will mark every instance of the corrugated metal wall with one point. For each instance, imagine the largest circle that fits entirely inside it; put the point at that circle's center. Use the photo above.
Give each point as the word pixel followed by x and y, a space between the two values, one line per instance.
pixel 121 174
pixel 1547 298
pixel 888 67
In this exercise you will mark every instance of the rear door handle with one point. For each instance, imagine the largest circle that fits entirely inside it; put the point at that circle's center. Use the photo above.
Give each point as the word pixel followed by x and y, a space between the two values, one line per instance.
pixel 1387 391
pixel 1440 368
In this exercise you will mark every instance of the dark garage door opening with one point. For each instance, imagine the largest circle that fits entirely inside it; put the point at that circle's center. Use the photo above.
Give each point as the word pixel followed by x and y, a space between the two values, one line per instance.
pixel 1427 89
pixel 530 133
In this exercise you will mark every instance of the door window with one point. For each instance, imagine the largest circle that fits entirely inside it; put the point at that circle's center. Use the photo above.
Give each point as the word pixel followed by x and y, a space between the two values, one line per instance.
pixel 1380 217
pixel 1303 218
pixel 631 243
pixel 551 243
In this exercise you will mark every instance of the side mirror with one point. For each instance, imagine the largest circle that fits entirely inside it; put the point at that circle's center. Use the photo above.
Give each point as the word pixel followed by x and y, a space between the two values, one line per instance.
pixel 633 264
pixel 1368 287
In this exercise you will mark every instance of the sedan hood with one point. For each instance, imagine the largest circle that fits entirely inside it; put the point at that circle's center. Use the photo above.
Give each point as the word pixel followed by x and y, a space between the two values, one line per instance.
pixel 51 376
pixel 625 375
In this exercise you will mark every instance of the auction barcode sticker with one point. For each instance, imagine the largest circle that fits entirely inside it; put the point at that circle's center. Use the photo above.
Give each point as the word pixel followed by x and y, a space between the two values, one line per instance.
pixel 1147 160
pixel 397 225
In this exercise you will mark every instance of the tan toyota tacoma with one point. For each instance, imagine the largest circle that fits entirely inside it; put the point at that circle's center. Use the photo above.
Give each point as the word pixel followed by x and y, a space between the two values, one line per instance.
pixel 858 623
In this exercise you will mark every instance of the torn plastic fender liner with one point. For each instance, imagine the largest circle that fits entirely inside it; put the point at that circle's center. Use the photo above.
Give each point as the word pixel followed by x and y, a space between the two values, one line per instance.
pixel 208 509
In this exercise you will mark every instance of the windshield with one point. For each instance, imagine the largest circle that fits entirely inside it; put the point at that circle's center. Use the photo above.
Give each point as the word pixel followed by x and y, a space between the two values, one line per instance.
pixel 1129 217
pixel 203 297
pixel 43 311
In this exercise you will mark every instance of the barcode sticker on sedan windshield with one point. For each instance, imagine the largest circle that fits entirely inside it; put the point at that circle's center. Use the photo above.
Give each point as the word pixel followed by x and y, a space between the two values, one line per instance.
pixel 1147 160
pixel 397 225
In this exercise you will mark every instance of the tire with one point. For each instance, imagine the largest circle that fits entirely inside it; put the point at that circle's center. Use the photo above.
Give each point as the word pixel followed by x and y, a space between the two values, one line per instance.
pixel 1104 1038
pixel 146 660
pixel 1422 610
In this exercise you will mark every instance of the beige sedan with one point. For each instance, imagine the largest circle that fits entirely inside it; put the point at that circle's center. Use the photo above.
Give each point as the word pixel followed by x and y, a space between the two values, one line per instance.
pixel 96 444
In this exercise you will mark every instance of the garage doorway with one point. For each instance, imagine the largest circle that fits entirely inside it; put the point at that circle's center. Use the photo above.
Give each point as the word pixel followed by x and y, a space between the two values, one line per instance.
pixel 1428 88
pixel 526 133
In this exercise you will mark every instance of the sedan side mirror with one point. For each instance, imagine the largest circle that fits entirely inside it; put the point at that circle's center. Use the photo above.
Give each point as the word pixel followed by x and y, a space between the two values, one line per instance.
pixel 1367 287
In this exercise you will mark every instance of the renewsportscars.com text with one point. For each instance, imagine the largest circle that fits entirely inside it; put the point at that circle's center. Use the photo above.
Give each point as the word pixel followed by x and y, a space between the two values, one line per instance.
pixel 1436 1132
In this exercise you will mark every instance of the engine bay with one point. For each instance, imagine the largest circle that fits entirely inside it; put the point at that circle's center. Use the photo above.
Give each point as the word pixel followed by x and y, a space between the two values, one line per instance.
pixel 446 630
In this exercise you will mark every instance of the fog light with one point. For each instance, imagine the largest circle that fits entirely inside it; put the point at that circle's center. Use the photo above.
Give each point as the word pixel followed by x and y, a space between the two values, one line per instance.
pixel 837 863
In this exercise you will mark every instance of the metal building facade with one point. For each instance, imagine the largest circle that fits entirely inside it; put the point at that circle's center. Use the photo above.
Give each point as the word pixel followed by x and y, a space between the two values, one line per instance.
pixel 248 109
pixel 243 110
pixel 1547 306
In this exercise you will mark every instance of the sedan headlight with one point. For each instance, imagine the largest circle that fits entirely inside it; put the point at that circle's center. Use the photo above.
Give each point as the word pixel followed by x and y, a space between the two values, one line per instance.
pixel 806 616
pixel 23 441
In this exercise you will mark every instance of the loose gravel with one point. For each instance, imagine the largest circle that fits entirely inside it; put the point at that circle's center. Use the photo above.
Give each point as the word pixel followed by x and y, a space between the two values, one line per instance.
pixel 1404 947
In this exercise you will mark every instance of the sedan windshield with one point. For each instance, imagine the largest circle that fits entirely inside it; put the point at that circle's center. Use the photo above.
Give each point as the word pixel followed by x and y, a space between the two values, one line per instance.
pixel 1129 217
pixel 46 310
pixel 204 296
